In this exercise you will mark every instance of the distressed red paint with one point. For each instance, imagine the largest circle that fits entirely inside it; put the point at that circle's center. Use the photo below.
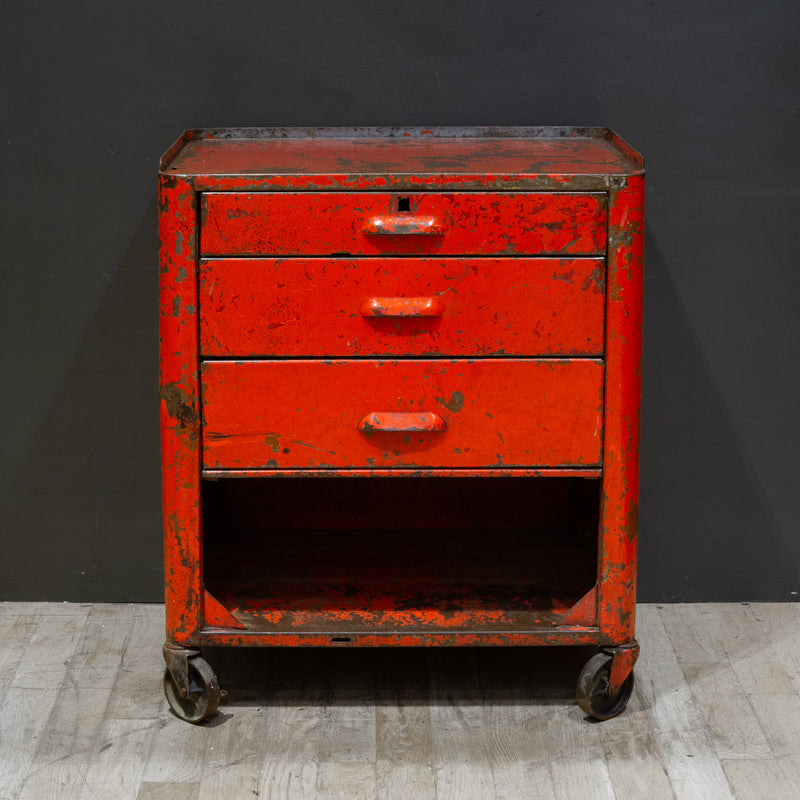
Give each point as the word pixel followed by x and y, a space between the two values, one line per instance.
pixel 619 512
pixel 489 223
pixel 180 409
pixel 408 472
pixel 322 307
pixel 501 268
pixel 307 414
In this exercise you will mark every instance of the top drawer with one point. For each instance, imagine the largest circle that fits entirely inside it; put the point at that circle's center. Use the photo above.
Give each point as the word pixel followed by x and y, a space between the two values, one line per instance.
pixel 339 223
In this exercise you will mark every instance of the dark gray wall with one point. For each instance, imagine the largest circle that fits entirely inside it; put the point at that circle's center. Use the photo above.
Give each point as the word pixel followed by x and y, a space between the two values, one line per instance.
pixel 93 92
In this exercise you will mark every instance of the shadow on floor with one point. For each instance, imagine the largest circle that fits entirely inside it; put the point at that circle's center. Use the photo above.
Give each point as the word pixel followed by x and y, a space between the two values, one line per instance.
pixel 409 676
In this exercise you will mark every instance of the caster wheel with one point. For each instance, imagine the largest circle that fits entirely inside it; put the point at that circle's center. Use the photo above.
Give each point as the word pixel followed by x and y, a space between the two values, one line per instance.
pixel 592 693
pixel 204 693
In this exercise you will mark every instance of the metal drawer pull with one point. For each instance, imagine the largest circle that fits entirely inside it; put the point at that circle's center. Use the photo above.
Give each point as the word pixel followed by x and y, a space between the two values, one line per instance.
pixel 392 422
pixel 404 225
pixel 402 307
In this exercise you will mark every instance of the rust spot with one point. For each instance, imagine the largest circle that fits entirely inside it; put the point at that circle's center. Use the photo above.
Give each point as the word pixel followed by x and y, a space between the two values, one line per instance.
pixel 272 440
pixel 235 213
pixel 632 523
pixel 367 429
pixel 179 405
pixel 455 403
pixel 566 276
pixel 622 236
pixel 596 280
pixel 170 181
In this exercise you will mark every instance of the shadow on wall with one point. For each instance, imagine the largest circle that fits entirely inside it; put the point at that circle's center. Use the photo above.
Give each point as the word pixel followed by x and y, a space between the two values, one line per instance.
pixel 84 507
pixel 706 527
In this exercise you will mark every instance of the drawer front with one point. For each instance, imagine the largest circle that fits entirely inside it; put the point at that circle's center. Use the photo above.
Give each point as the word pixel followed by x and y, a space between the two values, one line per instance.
pixel 341 307
pixel 373 224
pixel 319 414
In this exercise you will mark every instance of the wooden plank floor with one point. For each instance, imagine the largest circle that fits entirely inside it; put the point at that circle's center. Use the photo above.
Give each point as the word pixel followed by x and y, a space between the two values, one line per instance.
pixel 715 714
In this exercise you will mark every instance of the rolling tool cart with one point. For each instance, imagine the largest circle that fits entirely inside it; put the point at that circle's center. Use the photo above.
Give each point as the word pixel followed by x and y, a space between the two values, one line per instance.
pixel 400 377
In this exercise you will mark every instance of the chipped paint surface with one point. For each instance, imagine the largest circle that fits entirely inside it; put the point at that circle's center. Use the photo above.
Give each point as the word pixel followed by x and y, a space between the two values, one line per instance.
pixel 572 635
pixel 619 512
pixel 520 250
pixel 403 472
pixel 487 307
pixel 546 412
pixel 244 224
pixel 625 657
pixel 455 403
pixel 180 410
pixel 402 422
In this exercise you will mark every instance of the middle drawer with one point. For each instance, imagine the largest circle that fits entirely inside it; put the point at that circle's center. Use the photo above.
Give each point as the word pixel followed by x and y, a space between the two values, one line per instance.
pixel 312 414
pixel 342 307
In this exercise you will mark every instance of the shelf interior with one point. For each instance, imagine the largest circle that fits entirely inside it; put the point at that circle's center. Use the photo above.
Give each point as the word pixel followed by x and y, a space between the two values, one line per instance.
pixel 363 555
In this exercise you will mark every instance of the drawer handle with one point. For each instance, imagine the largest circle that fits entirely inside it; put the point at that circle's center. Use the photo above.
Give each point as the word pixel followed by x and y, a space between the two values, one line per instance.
pixel 403 307
pixel 404 225
pixel 392 422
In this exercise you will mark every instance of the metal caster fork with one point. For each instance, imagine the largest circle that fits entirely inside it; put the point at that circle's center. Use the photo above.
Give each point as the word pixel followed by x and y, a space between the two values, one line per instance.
pixel 190 685
pixel 606 682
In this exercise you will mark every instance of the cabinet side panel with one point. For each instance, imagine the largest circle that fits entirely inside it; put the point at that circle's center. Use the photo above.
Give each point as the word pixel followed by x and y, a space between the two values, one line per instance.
pixel 619 514
pixel 180 409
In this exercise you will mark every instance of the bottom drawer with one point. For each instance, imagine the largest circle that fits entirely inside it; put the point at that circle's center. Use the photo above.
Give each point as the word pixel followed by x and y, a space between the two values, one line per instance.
pixel 337 414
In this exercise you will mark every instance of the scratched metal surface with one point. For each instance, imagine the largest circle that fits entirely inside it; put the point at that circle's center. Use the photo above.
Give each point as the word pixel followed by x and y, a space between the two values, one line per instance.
pixel 496 413
pixel 471 415
pixel 506 151
pixel 324 223
pixel 334 307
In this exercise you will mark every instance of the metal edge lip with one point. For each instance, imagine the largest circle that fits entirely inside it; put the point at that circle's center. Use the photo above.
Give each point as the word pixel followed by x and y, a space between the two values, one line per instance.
pixel 400 132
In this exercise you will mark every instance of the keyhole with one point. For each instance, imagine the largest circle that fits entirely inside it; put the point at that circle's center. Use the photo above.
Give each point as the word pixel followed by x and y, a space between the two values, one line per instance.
pixel 403 204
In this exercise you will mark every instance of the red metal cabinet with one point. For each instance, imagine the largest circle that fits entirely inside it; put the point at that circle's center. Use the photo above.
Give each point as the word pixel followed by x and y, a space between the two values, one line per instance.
pixel 400 376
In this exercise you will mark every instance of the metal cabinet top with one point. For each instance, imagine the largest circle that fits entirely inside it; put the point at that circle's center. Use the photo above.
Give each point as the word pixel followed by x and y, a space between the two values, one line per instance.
pixel 342 159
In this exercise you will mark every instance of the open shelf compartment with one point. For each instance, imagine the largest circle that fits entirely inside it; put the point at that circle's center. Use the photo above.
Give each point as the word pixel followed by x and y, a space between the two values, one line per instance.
pixel 355 556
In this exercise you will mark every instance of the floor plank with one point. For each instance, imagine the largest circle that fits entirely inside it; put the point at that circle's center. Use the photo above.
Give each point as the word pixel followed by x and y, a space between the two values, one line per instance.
pixel 461 755
pixel 342 780
pixel 579 768
pixel 403 737
pixel 685 746
pixel 348 717
pixel 62 757
pixel 780 625
pixel 117 761
pixel 635 766
pixel 750 643
pixel 744 639
pixel 34 687
pixel 138 690
pixel 716 689
pixel 169 791
pixel 234 752
pixel 177 751
pixel 759 779
pixel 715 714
pixel 16 630
pixel 692 634
pixel 293 730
